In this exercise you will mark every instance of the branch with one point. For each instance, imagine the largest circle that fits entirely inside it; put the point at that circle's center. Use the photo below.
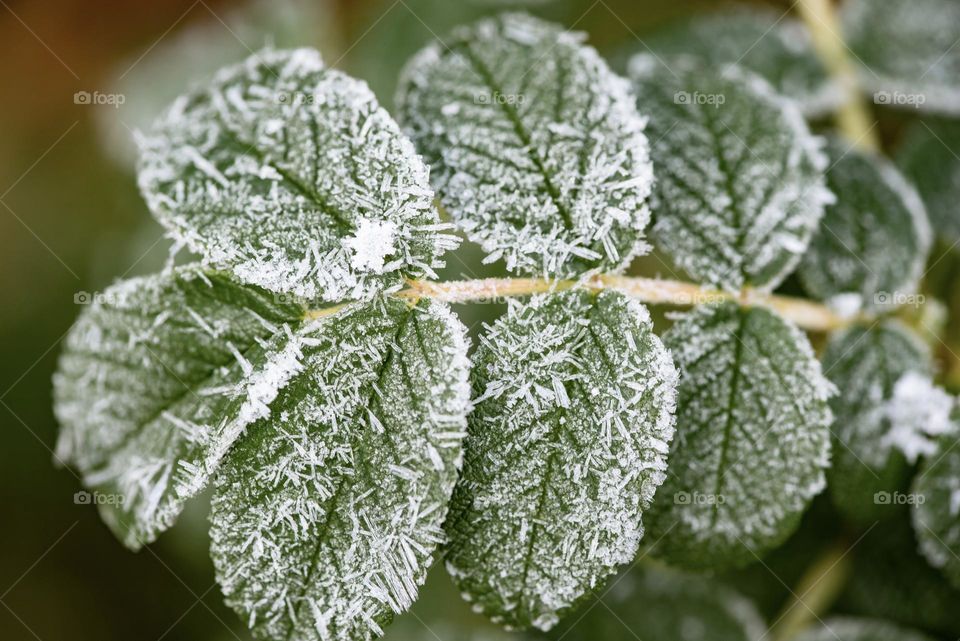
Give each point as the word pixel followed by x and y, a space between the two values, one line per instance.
pixel 806 314
pixel 853 117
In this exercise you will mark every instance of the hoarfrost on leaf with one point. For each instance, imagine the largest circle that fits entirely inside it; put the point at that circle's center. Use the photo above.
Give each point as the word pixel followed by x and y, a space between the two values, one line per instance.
pixel 752 440
pixel 936 519
pixel 326 516
pixel 907 51
pixel 928 158
pixel 873 241
pixel 663 604
pixel 740 186
pixel 282 170
pixel 566 446
pixel 764 41
pixel 919 413
pixel 158 377
pixel 866 363
pixel 537 147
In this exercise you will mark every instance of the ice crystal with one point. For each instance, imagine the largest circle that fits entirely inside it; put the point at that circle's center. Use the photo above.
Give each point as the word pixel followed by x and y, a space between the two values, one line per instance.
pixel 157 379
pixel 866 363
pixel 566 447
pixel 280 167
pixel 919 413
pixel 537 147
pixel 752 439
pixel 326 515
pixel 873 241
pixel 740 185
pixel 936 519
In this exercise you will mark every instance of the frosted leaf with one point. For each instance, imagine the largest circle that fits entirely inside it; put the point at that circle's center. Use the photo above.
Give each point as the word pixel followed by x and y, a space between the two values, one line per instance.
pixel 936 517
pixel 873 241
pixel 157 378
pixel 907 51
pixel 567 444
pixel 281 169
pixel 656 603
pixel 326 516
pixel 856 629
pixel 866 363
pixel 919 413
pixel 537 147
pixel 776 47
pixel 752 438
pixel 740 184
pixel 930 157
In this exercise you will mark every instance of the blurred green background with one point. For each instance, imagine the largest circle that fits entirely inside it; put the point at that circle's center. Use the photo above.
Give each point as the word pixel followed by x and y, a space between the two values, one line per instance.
pixel 71 221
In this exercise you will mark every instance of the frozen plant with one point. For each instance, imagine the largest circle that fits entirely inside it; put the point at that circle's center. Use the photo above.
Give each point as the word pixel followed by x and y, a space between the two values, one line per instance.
pixel 309 369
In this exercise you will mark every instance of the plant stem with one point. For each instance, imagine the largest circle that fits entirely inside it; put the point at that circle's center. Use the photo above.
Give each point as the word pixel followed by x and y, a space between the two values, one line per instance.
pixel 806 314
pixel 853 116
pixel 820 585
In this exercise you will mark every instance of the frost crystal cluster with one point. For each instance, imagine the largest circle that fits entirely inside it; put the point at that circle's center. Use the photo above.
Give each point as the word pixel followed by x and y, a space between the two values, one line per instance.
pixel 307 372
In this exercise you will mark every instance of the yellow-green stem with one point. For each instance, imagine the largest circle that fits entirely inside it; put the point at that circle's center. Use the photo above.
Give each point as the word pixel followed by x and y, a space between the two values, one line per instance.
pixel 853 117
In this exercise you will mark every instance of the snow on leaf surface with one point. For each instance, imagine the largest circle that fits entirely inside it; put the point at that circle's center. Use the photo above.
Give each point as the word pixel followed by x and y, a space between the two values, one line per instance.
pixel 536 146
pixel 325 518
pixel 919 414
pixel 662 604
pixel 740 186
pixel 752 440
pixel 566 446
pixel 936 519
pixel 872 242
pixel 907 51
pixel 776 47
pixel 158 377
pixel 929 158
pixel 857 629
pixel 283 171
pixel 865 363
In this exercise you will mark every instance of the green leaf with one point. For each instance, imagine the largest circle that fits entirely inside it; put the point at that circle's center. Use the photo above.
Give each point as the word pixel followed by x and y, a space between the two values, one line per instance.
pixel 890 580
pixel 936 516
pixel 752 438
pixel 854 629
pixel 930 157
pixel 740 184
pixel 872 243
pixel 566 446
pixel 326 516
pixel 908 52
pixel 865 364
pixel 536 146
pixel 292 176
pixel 766 42
pixel 158 377
pixel 656 603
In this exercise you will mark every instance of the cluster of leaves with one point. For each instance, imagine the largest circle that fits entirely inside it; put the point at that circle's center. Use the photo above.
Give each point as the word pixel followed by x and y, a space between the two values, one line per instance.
pixel 346 446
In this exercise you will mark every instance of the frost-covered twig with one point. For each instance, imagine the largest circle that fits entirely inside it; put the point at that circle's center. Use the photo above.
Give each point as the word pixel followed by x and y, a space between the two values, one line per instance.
pixel 853 117
pixel 804 313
